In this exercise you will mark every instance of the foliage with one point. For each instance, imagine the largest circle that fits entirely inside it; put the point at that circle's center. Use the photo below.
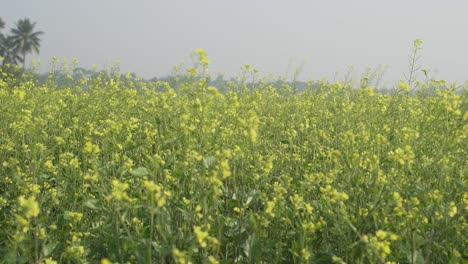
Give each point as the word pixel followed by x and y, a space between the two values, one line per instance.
pixel 114 170
pixel 24 40
pixel 8 51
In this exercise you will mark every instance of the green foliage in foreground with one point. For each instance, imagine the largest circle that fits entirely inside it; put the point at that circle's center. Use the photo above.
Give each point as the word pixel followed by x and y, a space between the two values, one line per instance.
pixel 106 172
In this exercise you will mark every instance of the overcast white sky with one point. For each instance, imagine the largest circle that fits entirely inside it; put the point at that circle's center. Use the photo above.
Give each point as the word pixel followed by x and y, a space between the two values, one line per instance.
pixel 150 37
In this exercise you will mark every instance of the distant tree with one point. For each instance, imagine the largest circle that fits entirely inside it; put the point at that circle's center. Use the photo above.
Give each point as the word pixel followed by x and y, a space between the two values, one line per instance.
pixel 25 39
pixel 2 38
pixel 9 51
pixel 7 48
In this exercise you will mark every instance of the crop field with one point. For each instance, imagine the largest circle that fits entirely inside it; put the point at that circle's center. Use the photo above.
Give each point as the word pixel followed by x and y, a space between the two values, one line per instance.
pixel 113 170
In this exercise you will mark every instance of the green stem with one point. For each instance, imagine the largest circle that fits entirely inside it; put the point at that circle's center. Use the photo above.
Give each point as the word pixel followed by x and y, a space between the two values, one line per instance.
pixel 151 237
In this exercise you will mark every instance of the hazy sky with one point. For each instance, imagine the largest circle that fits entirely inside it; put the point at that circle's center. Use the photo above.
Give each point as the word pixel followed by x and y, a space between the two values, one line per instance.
pixel 150 37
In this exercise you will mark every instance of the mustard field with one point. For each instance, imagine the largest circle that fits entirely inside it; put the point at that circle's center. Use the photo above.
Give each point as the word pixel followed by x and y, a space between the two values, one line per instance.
pixel 108 169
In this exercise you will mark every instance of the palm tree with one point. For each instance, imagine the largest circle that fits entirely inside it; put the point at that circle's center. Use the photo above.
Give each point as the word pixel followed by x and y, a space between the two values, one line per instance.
pixel 8 51
pixel 2 38
pixel 25 39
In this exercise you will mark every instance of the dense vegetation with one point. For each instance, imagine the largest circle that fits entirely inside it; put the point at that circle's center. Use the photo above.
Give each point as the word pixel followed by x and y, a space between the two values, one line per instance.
pixel 110 169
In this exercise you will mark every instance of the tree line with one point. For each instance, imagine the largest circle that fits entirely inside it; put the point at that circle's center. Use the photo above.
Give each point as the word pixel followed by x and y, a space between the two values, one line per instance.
pixel 22 40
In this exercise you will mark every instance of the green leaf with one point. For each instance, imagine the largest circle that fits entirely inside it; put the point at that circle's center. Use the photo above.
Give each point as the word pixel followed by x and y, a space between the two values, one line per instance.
pixel 416 257
pixel 209 162
pixel 252 248
pixel 139 172
pixel 91 203
pixel 48 248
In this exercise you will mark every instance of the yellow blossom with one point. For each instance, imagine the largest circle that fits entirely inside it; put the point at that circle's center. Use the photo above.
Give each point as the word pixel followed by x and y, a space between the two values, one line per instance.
pixel 212 260
pixel 49 261
pixel 105 261
pixel 30 206
pixel 119 191
pixel 452 209
pixel 269 208
pixel 200 235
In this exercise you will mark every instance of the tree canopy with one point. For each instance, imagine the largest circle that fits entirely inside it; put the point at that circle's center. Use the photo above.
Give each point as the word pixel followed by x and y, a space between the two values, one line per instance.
pixel 22 41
